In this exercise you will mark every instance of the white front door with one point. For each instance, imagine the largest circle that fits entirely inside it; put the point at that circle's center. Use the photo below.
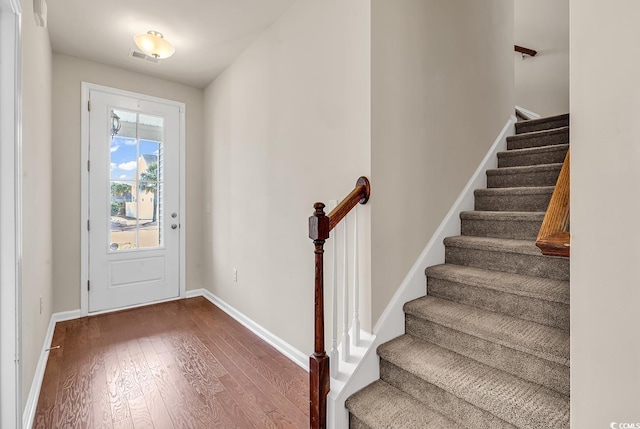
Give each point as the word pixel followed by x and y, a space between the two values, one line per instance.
pixel 134 200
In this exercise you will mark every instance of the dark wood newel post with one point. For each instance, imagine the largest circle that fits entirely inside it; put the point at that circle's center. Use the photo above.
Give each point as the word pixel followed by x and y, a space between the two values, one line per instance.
pixel 319 361
pixel 319 227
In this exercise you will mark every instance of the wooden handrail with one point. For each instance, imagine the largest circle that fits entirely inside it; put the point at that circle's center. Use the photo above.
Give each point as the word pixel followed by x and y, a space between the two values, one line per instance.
pixel 525 51
pixel 319 227
pixel 360 194
pixel 554 238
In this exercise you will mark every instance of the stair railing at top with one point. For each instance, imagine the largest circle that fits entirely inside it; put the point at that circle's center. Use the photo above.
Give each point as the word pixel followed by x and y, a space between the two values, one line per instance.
pixel 554 238
pixel 319 227
pixel 525 51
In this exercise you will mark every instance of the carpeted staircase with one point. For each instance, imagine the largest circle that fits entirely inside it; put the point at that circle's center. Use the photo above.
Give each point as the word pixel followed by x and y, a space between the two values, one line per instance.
pixel 488 346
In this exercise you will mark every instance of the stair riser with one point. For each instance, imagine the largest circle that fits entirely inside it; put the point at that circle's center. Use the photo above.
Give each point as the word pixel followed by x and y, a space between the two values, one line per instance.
pixel 523 203
pixel 530 126
pixel 524 141
pixel 548 313
pixel 526 366
pixel 546 177
pixel 511 159
pixel 440 400
pixel 382 405
pixel 355 423
pixel 519 230
pixel 526 126
pixel 530 265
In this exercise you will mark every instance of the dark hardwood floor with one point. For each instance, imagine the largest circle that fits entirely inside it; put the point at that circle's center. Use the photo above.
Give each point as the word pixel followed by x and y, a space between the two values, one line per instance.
pixel 181 364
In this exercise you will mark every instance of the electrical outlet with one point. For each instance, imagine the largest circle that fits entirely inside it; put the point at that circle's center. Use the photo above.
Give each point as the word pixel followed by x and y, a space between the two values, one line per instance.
pixel 235 275
pixel 40 305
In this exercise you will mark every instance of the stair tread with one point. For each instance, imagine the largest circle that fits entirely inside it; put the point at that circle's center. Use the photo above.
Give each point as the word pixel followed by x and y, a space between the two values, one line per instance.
pixel 525 247
pixel 538 134
pixel 382 406
pixel 534 138
pixel 522 403
pixel 513 198
pixel 524 169
pixel 533 150
pixel 517 284
pixel 505 254
pixel 549 118
pixel 502 216
pixel 529 337
pixel 535 155
pixel 517 190
pixel 541 121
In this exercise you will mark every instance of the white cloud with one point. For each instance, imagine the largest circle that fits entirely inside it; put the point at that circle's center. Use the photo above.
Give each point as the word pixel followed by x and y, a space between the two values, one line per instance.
pixel 114 148
pixel 128 166
pixel 124 176
pixel 130 142
pixel 113 165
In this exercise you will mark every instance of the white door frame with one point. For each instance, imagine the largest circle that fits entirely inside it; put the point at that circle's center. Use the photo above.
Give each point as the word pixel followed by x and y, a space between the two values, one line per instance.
pixel 84 206
pixel 10 214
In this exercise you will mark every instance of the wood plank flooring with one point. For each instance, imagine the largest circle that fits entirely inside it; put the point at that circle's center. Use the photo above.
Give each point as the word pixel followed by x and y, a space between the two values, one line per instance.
pixel 180 364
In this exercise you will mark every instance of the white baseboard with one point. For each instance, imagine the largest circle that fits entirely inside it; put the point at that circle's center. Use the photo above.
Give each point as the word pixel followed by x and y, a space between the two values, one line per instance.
pixel 29 412
pixel 391 322
pixel 278 343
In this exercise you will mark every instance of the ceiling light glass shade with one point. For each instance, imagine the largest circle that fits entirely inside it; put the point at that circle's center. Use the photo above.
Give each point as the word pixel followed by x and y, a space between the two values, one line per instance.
pixel 153 44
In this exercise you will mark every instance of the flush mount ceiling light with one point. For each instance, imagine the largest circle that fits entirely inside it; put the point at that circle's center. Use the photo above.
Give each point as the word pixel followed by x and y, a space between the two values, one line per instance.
pixel 154 44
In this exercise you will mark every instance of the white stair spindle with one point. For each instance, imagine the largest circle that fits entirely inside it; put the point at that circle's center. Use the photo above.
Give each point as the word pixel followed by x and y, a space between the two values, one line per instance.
pixel 355 338
pixel 346 352
pixel 334 355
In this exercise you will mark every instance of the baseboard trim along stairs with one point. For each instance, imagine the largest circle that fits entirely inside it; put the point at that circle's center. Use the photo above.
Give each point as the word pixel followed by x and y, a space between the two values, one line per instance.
pixel 488 345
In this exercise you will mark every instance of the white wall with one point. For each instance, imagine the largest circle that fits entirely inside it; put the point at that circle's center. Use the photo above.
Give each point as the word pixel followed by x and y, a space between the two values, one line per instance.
pixel 542 82
pixel 68 73
pixel 442 90
pixel 605 232
pixel 287 124
pixel 37 192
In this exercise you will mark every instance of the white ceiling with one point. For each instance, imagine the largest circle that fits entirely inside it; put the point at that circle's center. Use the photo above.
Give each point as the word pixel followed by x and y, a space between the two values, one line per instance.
pixel 207 34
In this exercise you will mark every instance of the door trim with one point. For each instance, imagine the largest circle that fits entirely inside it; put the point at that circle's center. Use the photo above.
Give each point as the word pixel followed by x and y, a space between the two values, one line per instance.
pixel 86 87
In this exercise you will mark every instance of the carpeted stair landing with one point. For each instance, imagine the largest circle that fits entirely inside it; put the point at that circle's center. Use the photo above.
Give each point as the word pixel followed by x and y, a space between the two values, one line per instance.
pixel 488 346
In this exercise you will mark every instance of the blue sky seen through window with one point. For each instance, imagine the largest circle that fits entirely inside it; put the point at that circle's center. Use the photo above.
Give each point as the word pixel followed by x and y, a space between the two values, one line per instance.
pixel 124 156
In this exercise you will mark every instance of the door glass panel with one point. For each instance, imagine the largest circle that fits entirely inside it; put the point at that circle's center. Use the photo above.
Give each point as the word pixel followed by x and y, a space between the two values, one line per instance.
pixel 148 208
pixel 136 181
